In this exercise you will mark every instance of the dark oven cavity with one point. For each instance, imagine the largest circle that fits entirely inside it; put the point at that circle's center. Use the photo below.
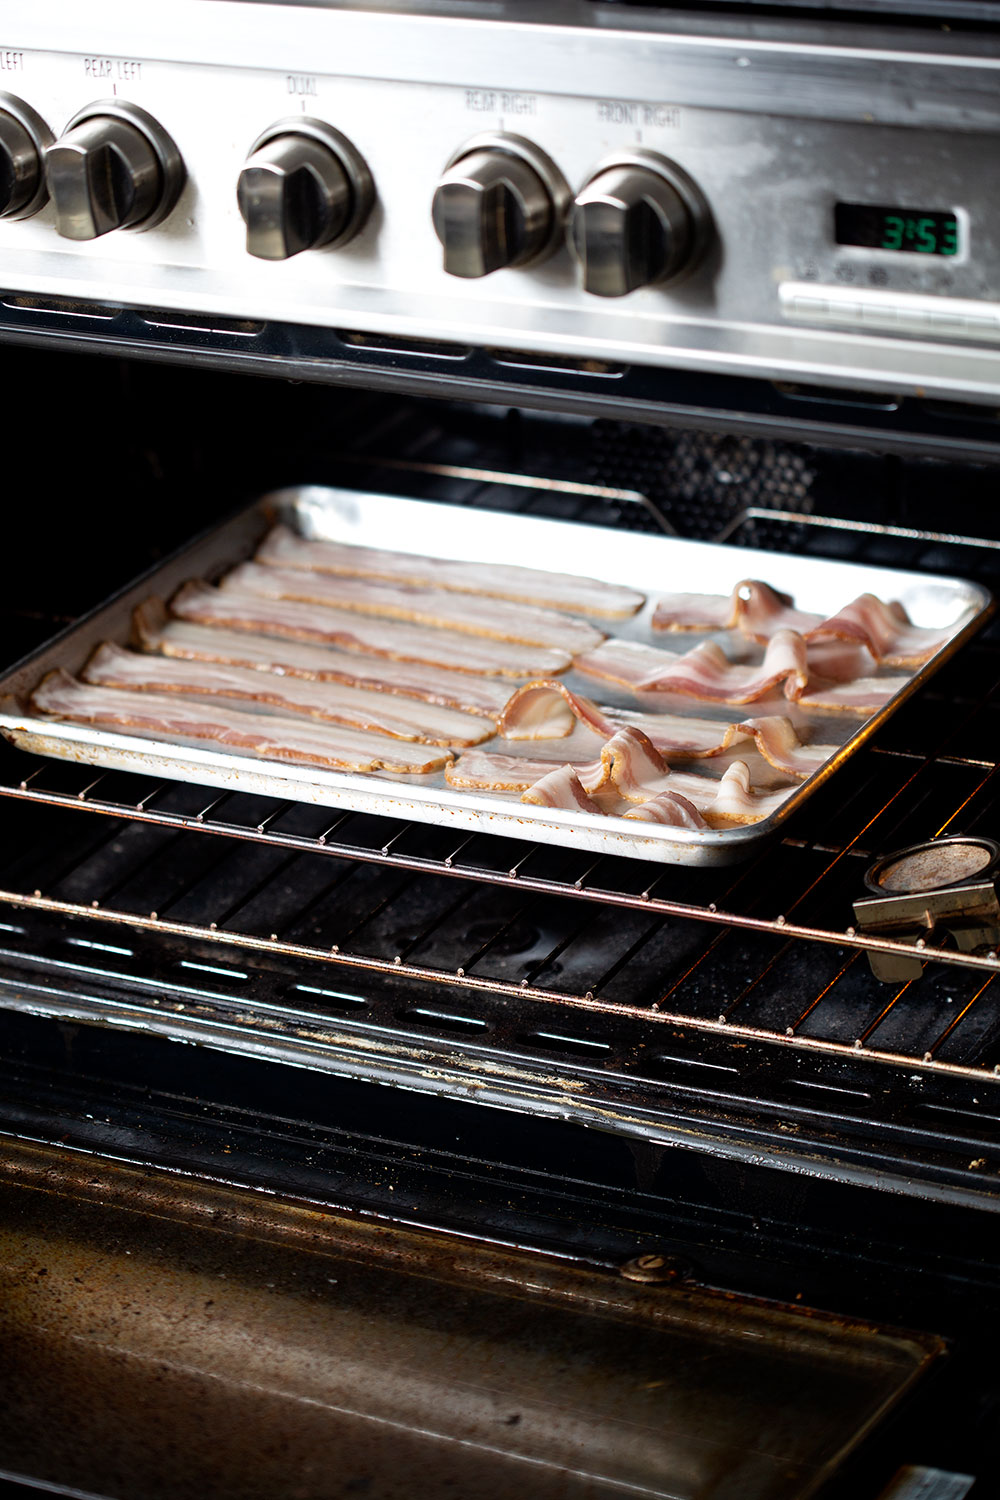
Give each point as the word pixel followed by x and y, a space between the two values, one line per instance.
pixel 734 1009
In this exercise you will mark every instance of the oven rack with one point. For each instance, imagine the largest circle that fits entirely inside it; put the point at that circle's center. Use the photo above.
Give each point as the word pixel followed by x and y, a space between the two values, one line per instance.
pixel 601 880
pixel 788 897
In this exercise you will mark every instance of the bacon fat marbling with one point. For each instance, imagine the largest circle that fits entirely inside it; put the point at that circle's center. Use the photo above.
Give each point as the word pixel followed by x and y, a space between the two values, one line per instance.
pixel 314 622
pixel 270 735
pixel 381 713
pixel 496 619
pixel 284 548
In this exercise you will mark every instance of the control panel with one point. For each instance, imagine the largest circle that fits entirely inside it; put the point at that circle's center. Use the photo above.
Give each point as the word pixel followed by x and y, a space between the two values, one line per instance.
pixel 635 193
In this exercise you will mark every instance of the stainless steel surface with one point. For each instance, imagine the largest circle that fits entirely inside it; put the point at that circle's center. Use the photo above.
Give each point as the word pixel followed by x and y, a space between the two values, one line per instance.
pixel 305 186
pixel 268 1347
pixel 917 1482
pixel 637 223
pixel 862 311
pixel 24 136
pixel 933 866
pixel 637 560
pixel 501 202
pixel 114 167
pixel 774 126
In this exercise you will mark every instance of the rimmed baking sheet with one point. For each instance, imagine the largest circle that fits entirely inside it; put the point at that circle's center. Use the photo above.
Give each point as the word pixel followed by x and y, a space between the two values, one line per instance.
pixel 652 564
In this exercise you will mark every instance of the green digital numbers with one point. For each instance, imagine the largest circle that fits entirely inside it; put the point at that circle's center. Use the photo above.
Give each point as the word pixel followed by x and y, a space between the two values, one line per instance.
pixel 926 238
pixel 892 234
pixel 884 226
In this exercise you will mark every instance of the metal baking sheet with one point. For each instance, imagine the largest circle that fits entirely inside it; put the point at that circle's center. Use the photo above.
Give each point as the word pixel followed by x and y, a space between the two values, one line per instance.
pixel 653 564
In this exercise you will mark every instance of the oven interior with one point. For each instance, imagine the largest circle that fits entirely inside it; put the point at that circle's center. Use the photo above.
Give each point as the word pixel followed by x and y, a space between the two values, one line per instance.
pixel 594 1058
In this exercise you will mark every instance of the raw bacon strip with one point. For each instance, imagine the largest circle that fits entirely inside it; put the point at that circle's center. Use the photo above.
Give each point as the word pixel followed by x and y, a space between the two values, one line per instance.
pixel 885 629
pixel 737 802
pixel 778 742
pixel 762 612
pixel 110 666
pixel 695 612
pixel 480 771
pixel 865 695
pixel 836 661
pixel 669 808
pixel 705 672
pixel 549 710
pixel 627 761
pixel 561 788
pixel 497 618
pixel 731 799
pixel 631 765
pixel 282 548
pixel 483 696
pixel 635 767
pixel 269 735
pixel 753 607
pixel 311 622
pixel 773 735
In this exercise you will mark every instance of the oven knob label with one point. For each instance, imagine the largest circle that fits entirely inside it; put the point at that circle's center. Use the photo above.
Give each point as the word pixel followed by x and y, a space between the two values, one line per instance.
pixel 629 112
pixel 113 69
pixel 500 102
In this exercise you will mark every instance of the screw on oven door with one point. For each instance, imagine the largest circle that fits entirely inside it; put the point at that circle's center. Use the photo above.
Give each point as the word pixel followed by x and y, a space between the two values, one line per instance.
pixel 656 1268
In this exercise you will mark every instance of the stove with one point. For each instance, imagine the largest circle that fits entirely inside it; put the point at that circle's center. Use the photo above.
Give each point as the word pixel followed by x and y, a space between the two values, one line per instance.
pixel 443 1092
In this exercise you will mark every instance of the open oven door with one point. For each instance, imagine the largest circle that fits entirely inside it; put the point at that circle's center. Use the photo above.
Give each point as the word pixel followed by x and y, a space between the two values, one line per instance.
pixel 173 1339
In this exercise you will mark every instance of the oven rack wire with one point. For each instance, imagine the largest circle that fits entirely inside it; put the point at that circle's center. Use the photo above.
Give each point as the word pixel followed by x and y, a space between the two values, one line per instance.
pixel 82 886
pixel 471 856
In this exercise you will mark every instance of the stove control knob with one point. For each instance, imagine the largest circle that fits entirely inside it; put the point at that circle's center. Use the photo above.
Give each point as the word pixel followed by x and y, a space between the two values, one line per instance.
pixel 639 221
pixel 305 185
pixel 501 202
pixel 23 139
pixel 114 168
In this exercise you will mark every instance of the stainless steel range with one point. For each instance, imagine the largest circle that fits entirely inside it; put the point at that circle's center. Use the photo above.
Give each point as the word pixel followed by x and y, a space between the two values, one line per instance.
pixel 609 183
pixel 342 1152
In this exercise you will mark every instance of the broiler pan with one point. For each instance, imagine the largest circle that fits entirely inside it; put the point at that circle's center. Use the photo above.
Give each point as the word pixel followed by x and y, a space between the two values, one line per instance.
pixel 652 563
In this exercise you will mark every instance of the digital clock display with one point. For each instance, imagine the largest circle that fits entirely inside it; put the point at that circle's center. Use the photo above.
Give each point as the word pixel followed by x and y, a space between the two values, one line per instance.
pixel 918 231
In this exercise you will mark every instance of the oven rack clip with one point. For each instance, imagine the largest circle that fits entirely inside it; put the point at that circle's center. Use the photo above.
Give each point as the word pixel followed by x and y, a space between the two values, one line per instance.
pixel 942 891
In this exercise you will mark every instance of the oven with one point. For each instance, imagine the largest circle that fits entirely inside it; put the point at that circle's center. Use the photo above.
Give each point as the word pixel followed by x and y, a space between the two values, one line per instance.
pixel 345 1152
